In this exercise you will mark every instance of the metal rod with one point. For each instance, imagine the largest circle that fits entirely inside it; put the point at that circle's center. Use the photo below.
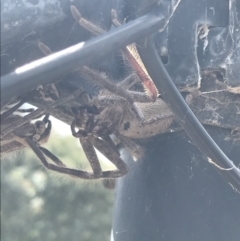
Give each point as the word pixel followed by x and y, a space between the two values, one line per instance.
pixel 50 68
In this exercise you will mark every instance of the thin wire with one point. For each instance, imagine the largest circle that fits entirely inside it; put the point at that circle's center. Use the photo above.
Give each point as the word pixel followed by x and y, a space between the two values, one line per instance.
pixel 185 116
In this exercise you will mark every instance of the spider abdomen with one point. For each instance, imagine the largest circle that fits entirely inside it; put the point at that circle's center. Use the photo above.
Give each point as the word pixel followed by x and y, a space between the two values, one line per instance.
pixel 158 119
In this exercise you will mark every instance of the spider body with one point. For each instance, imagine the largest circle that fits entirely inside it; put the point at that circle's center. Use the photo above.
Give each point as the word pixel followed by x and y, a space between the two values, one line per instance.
pixel 116 110
pixel 119 118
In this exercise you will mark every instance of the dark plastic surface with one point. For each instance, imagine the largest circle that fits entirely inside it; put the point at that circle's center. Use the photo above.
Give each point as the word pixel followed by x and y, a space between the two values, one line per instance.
pixel 172 193
pixel 182 63
pixel 19 19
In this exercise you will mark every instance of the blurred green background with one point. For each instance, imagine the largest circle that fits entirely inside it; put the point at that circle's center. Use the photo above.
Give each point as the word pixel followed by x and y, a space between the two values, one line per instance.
pixel 37 204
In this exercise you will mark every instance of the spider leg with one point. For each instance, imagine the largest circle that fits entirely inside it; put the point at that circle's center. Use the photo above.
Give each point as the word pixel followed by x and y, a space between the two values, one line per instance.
pixel 10 146
pixel 43 129
pixel 133 57
pixel 108 140
pixel 89 150
pixel 57 168
pixel 114 17
pixel 106 100
pixel 129 81
pixel 94 29
pixel 135 149
pixel 7 113
pixel 38 113
pixel 52 156
pixel 38 131
pixel 91 155
pixel 47 51
pixel 29 110
pixel 112 156
pixel 44 48
pixel 41 152
pixel 21 121
pixel 10 143
pixel 40 135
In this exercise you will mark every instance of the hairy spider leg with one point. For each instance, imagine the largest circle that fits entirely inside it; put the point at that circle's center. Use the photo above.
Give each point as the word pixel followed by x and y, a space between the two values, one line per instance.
pixel 129 52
